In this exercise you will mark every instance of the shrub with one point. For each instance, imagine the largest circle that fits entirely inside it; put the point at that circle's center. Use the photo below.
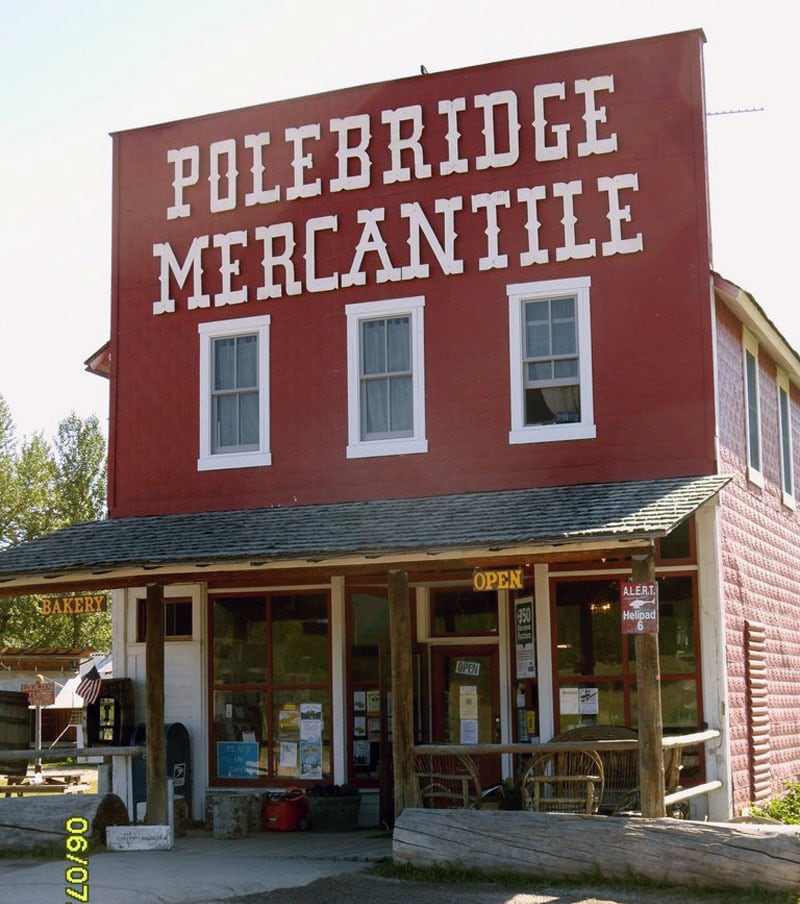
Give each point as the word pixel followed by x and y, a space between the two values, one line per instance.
pixel 785 808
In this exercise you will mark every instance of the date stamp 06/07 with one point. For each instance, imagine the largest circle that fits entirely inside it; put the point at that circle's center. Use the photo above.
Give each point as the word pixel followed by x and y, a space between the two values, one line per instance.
pixel 76 874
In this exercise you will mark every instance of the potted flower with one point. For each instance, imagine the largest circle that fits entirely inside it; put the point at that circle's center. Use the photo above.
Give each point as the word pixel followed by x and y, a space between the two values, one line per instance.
pixel 333 808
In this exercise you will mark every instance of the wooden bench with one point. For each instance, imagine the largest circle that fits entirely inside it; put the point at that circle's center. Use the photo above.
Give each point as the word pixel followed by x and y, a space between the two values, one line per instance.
pixel 21 789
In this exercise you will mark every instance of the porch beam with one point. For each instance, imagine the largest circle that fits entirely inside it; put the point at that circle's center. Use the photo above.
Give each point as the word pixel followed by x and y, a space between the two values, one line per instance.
pixel 402 692
pixel 154 696
pixel 651 725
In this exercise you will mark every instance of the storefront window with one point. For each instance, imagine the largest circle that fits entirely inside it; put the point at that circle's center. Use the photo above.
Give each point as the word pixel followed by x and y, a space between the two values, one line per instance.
pixel 466 613
pixel 271 695
pixel 596 671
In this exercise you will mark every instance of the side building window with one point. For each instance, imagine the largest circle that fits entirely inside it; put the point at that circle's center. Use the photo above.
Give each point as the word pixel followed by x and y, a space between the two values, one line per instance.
pixel 386 378
pixel 551 361
pixel 234 394
pixel 787 456
pixel 753 410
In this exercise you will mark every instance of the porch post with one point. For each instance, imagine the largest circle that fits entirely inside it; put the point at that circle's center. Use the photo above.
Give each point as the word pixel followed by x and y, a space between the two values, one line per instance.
pixel 402 692
pixel 651 725
pixel 154 696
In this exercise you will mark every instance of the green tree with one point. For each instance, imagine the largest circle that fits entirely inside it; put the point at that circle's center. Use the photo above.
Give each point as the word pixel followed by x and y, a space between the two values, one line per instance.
pixel 80 483
pixel 44 487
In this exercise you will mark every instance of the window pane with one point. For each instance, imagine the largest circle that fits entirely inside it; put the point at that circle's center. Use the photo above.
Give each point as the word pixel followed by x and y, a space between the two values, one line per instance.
pixel 247 362
pixel 563 309
pixel 464 612
pixel 786 445
pixel 226 419
pixel 678 544
pixel 240 718
pixel 554 405
pixel 564 341
pixel 541 371
pixel 537 329
pixel 224 364
pixel 300 639
pixel 302 751
pixel 588 628
pixel 752 411
pixel 240 640
pixel 678 705
pixel 248 419
pixel 399 341
pixel 373 347
pixel 376 406
pixel 401 397
pixel 566 370
pixel 370 619
pixel 602 703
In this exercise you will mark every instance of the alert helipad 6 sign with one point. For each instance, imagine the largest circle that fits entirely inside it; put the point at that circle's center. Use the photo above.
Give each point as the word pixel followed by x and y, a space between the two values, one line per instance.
pixel 639 607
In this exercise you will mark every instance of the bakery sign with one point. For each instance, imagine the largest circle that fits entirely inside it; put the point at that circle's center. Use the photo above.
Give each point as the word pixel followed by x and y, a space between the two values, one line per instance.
pixel 73 605
pixel 639 607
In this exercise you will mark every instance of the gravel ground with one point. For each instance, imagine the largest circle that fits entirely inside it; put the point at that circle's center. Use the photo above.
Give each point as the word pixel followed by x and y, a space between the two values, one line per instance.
pixel 362 888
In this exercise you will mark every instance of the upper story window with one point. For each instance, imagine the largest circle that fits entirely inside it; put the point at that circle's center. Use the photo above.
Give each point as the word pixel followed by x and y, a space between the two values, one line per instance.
pixel 785 422
pixel 753 410
pixel 386 378
pixel 234 393
pixel 177 619
pixel 551 361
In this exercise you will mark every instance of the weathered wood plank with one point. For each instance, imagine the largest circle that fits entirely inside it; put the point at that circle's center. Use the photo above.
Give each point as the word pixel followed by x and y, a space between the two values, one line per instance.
pixel 673 852
pixel 30 823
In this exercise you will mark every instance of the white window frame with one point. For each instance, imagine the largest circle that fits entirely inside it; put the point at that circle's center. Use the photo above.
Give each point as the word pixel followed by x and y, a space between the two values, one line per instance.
pixel 218 329
pixel 754 472
pixel 414 307
pixel 785 439
pixel 518 294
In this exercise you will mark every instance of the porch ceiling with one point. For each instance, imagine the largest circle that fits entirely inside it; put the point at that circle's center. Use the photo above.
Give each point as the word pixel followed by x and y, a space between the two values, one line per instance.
pixel 351 532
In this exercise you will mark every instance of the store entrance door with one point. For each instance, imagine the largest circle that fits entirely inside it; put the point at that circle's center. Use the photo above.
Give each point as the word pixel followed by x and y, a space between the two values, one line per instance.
pixel 466 702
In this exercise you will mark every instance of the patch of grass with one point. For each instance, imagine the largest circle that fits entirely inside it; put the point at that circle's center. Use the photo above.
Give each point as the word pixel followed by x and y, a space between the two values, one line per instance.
pixel 460 875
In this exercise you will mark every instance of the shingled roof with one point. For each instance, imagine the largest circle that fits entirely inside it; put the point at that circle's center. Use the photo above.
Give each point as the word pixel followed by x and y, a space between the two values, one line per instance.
pixel 589 513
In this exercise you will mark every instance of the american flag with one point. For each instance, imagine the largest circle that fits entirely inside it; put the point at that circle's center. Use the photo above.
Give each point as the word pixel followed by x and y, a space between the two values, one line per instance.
pixel 89 687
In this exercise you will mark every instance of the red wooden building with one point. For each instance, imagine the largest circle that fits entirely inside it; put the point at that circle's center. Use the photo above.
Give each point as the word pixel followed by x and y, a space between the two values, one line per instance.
pixel 456 321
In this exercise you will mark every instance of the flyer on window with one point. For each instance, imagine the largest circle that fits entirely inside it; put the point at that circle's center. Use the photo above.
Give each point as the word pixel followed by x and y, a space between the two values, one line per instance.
pixel 288 755
pixel 310 759
pixel 310 721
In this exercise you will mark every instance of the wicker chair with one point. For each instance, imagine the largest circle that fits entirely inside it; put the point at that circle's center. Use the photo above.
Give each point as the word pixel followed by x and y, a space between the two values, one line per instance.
pixel 563 782
pixel 446 781
pixel 620 767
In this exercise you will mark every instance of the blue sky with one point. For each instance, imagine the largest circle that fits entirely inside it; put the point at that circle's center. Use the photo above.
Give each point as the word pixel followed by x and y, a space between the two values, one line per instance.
pixel 73 72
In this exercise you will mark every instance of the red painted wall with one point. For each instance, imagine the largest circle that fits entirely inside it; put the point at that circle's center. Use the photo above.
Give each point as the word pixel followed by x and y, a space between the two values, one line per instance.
pixel 651 334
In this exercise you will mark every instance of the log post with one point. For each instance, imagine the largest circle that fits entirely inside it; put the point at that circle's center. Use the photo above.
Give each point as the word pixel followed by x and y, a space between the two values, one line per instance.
pixel 402 692
pixel 651 725
pixel 154 720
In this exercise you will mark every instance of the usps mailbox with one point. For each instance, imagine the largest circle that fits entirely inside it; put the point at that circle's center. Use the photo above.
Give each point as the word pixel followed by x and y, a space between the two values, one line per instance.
pixel 179 765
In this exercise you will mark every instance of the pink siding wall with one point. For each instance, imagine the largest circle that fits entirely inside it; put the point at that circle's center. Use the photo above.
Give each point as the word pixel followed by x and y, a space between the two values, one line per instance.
pixel 761 564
